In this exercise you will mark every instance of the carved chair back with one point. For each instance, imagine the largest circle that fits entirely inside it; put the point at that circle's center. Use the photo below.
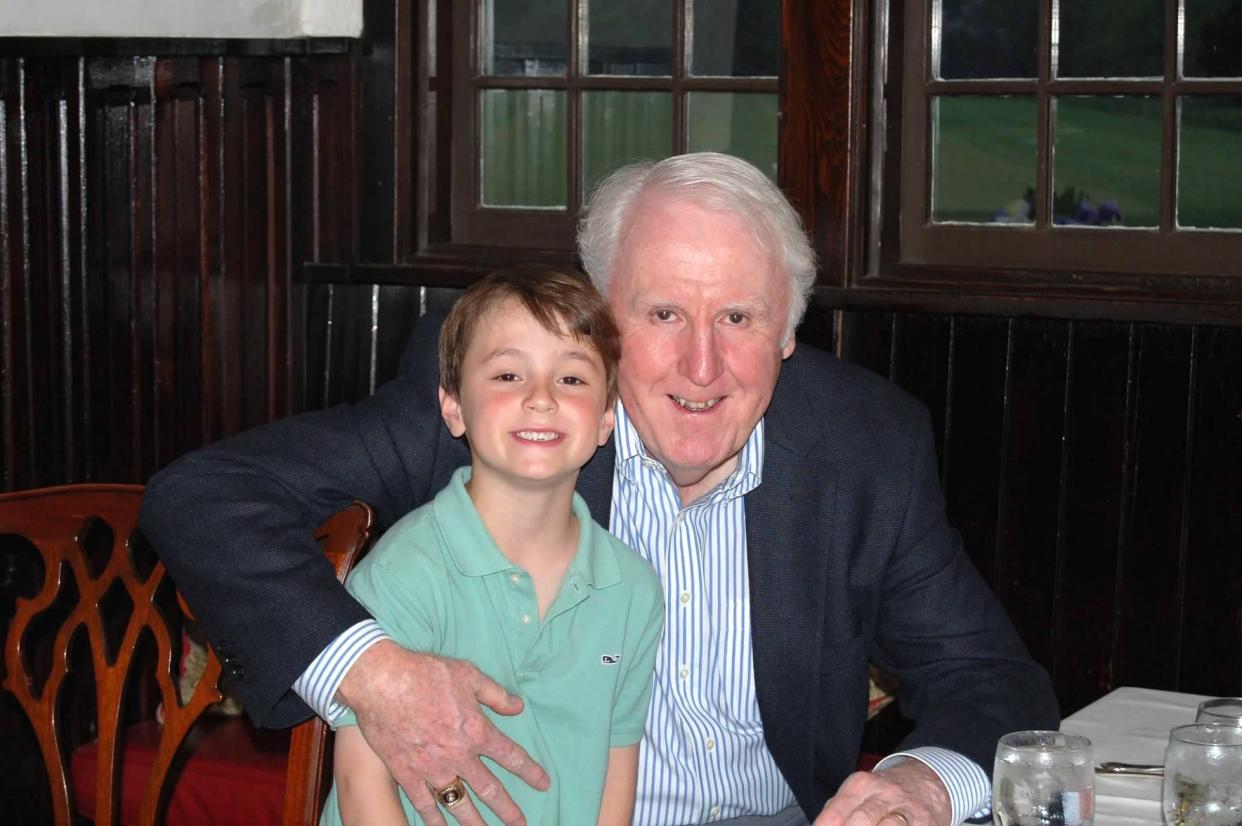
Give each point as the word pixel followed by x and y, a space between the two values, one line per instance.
pixel 81 580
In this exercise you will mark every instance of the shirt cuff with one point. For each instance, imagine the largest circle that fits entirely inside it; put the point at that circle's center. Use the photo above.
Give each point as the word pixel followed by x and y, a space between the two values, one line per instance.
pixel 970 790
pixel 318 684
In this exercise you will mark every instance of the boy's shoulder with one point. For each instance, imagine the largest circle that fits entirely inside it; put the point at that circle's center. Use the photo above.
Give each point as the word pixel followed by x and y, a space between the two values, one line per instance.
pixel 412 541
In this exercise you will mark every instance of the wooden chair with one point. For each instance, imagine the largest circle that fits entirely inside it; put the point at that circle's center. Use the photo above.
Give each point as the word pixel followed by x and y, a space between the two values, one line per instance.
pixel 55 521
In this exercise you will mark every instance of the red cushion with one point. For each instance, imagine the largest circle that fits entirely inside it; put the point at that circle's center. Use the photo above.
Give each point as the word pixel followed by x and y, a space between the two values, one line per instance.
pixel 866 762
pixel 234 773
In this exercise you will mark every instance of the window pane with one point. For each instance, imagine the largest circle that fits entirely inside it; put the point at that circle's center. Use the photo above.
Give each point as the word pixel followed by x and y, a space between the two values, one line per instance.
pixel 736 123
pixel 1213 32
pixel 736 38
pixel 1107 161
pixel 1209 177
pixel 983 150
pixel 620 127
pixel 523 161
pixel 987 38
pixel 630 37
pixel 1111 38
pixel 523 37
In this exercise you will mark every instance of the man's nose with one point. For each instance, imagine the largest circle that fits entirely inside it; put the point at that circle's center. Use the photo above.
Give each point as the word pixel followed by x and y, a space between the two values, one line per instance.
pixel 540 398
pixel 702 361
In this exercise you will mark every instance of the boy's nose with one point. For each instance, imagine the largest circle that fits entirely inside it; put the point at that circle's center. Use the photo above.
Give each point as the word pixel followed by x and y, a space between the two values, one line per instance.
pixel 540 399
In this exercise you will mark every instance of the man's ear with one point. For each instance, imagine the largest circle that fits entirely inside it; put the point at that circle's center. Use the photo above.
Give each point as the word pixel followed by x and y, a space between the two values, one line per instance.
pixel 788 349
pixel 606 425
pixel 450 411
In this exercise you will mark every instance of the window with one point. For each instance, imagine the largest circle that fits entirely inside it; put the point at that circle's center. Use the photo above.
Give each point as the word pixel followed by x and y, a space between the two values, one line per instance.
pixel 1060 135
pixel 548 96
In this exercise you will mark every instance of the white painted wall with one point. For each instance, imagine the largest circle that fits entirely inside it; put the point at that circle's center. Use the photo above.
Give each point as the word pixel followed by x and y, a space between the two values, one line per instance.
pixel 181 18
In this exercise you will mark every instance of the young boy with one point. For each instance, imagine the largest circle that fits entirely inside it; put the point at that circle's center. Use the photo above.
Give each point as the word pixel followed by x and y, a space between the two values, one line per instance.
pixel 505 567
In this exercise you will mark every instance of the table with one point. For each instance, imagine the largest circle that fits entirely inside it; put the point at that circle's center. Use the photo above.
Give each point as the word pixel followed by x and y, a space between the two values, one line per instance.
pixel 1131 725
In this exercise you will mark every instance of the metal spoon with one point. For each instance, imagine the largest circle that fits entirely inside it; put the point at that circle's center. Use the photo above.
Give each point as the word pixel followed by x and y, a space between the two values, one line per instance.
pixel 1143 769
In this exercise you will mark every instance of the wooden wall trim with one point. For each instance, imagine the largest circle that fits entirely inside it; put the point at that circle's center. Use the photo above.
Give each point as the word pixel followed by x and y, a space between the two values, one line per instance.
pixel 1206 309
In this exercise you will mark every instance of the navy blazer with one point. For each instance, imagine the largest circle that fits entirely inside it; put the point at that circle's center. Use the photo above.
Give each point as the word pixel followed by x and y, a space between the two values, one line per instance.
pixel 851 559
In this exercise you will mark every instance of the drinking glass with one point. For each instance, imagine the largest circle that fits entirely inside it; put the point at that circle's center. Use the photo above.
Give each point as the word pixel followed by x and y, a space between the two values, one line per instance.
pixel 1203 775
pixel 1043 777
pixel 1227 710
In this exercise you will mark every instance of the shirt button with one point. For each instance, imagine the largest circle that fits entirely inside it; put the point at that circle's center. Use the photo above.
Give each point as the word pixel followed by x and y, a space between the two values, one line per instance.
pixel 715 811
pixel 710 744
pixel 526 619
pixel 514 578
pixel 683 672
pixel 685 597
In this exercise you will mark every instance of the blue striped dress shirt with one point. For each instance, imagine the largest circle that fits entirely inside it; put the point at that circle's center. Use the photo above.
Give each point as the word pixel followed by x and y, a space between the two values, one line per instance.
pixel 703 756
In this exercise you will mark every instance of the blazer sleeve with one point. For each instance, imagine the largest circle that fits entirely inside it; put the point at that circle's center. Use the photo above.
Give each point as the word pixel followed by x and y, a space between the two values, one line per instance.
pixel 966 678
pixel 233 524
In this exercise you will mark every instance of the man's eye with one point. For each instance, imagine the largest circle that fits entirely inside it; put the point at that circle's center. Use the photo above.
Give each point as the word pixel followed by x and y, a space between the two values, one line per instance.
pixel 736 318
pixel 663 315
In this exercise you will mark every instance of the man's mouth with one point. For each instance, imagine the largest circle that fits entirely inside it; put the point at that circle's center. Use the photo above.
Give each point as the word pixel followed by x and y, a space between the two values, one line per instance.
pixel 538 435
pixel 693 406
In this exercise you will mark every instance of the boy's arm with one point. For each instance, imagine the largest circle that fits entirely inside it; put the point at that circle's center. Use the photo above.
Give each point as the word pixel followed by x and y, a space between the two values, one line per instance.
pixel 617 807
pixel 365 791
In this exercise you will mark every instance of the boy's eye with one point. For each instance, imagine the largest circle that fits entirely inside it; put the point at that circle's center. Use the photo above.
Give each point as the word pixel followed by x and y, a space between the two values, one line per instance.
pixel 572 380
pixel 507 377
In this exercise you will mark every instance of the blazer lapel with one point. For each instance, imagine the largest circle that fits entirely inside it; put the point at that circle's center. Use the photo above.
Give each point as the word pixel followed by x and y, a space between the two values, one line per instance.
pixel 786 533
pixel 595 482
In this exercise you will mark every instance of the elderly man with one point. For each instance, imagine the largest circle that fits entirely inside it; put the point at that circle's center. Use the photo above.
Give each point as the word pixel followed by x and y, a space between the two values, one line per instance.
pixel 788 501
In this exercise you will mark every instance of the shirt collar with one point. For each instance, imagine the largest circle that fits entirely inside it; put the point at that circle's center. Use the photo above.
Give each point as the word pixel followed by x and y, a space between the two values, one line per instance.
pixel 633 459
pixel 475 553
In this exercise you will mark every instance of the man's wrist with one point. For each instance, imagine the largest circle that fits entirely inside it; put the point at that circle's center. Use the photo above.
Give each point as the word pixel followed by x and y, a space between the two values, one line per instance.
pixel 968 785
pixel 320 683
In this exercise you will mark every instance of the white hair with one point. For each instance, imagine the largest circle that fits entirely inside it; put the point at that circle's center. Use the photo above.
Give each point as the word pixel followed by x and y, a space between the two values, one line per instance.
pixel 713 181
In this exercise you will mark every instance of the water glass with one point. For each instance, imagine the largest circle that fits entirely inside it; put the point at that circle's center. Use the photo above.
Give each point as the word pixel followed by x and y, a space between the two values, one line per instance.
pixel 1203 775
pixel 1043 777
pixel 1226 710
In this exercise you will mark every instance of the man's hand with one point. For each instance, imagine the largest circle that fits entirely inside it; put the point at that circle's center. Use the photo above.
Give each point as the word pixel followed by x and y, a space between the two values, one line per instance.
pixel 908 791
pixel 420 713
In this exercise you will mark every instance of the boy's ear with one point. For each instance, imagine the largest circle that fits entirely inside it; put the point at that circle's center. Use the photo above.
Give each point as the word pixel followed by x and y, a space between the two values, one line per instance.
pixel 606 425
pixel 450 411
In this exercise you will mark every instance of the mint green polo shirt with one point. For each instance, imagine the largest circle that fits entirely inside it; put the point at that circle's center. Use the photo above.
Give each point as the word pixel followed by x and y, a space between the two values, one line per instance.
pixel 437 582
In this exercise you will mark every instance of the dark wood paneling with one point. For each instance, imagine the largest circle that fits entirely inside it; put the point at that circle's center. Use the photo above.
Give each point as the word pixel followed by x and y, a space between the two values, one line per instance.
pixel 1094 470
pixel 1029 491
pixel 1212 556
pixel 146 256
pixel 1150 586
pixel 971 464
pixel 1090 511
pixel 920 365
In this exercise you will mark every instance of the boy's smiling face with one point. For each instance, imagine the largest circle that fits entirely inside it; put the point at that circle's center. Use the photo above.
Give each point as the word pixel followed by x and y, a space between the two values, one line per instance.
pixel 533 404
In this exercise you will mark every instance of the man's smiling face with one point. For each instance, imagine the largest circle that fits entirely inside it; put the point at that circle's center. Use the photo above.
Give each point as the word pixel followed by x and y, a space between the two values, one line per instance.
pixel 702 308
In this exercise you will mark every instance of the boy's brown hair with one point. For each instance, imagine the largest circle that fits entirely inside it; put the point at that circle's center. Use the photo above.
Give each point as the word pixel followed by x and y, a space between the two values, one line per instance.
pixel 562 303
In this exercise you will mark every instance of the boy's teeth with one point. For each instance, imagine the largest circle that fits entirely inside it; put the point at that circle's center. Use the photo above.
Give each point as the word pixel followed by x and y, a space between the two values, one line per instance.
pixel 541 436
pixel 689 405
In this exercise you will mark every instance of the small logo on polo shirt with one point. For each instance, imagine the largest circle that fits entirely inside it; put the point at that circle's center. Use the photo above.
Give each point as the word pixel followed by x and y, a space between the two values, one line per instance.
pixel 609 659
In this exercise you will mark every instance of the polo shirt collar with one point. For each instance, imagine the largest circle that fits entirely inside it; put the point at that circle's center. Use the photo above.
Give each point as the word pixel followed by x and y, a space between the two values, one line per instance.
pixel 475 553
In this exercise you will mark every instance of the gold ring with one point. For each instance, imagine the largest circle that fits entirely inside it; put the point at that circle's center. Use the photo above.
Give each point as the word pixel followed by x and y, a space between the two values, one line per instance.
pixel 905 821
pixel 455 792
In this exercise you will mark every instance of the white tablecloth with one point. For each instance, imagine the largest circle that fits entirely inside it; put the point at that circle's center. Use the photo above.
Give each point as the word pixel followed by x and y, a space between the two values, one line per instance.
pixel 1131 725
